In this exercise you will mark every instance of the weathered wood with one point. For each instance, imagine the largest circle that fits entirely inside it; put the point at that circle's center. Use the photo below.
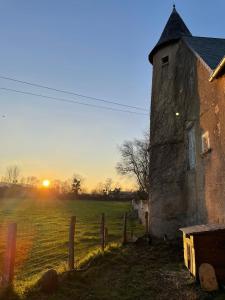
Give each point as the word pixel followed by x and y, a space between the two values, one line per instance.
pixel 185 250
pixel 215 240
pixel 9 263
pixel 205 247
pixel 102 231
pixel 189 254
pixel 146 223
pixel 211 258
pixel 71 258
pixel 204 229
pixel 125 229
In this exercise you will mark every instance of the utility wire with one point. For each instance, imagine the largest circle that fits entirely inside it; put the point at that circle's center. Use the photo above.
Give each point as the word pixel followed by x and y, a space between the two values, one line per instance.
pixel 71 93
pixel 71 101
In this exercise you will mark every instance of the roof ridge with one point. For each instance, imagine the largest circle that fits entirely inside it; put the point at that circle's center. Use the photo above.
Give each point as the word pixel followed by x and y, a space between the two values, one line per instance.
pixel 203 37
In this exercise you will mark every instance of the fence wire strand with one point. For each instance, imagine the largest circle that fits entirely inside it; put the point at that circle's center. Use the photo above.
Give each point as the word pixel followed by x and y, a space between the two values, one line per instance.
pixel 41 246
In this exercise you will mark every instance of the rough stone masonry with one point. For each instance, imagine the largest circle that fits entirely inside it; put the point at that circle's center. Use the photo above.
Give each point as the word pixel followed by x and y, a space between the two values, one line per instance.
pixel 187 130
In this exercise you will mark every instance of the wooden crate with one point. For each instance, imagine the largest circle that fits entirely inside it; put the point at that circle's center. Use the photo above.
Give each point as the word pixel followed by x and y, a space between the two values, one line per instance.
pixel 205 244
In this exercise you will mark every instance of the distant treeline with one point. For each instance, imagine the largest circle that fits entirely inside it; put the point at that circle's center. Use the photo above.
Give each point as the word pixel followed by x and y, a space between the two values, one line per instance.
pixel 15 186
pixel 20 191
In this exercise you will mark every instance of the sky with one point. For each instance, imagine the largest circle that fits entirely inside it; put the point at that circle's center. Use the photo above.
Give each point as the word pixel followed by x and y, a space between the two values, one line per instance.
pixel 93 47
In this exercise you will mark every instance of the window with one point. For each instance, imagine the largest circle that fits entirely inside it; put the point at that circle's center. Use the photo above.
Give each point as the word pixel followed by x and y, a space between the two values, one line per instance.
pixel 205 142
pixel 191 148
pixel 165 60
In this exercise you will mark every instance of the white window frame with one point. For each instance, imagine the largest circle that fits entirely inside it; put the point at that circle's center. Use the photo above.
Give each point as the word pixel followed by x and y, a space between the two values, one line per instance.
pixel 205 142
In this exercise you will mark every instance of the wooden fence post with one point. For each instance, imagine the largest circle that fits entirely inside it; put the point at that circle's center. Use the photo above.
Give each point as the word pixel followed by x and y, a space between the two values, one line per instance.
pixel 146 223
pixel 102 231
pixel 125 229
pixel 71 243
pixel 9 263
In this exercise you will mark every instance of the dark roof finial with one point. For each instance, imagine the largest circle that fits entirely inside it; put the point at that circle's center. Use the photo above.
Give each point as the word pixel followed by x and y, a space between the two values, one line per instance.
pixel 174 6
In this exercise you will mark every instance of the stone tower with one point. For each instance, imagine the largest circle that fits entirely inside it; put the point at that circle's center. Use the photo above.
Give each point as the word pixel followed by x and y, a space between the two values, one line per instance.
pixel 187 164
pixel 167 147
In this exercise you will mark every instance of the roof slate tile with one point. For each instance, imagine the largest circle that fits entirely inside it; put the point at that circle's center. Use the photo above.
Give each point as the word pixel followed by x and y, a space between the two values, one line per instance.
pixel 211 50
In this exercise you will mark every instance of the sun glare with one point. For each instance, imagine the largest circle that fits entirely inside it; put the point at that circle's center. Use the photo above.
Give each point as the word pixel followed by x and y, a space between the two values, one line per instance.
pixel 45 183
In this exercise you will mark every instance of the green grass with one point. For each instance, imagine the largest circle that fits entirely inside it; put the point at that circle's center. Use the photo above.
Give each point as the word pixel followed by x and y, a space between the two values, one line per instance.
pixel 133 272
pixel 42 239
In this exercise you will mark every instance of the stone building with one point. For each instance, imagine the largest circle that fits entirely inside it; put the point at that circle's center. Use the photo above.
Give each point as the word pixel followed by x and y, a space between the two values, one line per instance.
pixel 187 131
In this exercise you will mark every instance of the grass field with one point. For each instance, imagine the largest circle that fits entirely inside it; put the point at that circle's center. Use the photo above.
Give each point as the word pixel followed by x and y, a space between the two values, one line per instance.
pixel 42 238
pixel 133 272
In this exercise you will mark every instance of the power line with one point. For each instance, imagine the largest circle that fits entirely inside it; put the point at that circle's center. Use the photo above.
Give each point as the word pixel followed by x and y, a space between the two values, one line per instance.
pixel 72 101
pixel 71 93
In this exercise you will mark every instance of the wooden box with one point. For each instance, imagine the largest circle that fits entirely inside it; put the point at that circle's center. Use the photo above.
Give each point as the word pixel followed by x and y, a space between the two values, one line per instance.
pixel 205 244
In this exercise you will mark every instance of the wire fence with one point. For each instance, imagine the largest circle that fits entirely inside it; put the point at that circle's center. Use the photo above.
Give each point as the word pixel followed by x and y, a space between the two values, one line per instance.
pixel 41 246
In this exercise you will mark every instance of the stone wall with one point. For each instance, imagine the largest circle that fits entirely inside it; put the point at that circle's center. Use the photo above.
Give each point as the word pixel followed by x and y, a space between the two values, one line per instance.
pixel 211 166
pixel 171 89
pixel 182 96
pixel 141 206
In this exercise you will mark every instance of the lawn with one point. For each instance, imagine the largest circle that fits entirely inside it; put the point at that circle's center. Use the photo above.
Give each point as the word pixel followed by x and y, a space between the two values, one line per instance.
pixel 42 239
pixel 132 272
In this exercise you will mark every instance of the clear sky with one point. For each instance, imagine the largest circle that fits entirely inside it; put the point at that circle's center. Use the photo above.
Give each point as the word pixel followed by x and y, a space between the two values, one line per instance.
pixel 93 47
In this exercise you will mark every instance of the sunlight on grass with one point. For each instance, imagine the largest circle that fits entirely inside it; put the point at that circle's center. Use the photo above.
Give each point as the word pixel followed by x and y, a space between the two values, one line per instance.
pixel 94 254
pixel 42 238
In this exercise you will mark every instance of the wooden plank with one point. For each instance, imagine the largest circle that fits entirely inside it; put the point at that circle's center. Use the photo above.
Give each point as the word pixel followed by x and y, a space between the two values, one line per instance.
pixel 210 241
pixel 185 250
pixel 203 229
pixel 193 262
pixel 189 253
pixel 213 258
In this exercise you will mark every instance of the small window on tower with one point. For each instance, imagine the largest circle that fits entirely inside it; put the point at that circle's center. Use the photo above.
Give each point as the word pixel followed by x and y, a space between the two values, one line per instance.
pixel 165 60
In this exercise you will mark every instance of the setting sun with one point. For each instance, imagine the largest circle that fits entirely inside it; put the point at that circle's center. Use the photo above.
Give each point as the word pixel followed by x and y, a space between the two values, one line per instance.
pixel 45 183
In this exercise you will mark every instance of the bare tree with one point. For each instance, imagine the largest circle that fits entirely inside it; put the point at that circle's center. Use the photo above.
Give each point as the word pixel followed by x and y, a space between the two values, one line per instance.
pixel 135 161
pixel 65 186
pixel 107 186
pixel 98 189
pixel 12 174
pixel 76 185
pixel 31 181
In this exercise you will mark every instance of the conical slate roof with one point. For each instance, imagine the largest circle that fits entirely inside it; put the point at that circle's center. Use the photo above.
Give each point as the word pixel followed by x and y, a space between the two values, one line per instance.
pixel 174 30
